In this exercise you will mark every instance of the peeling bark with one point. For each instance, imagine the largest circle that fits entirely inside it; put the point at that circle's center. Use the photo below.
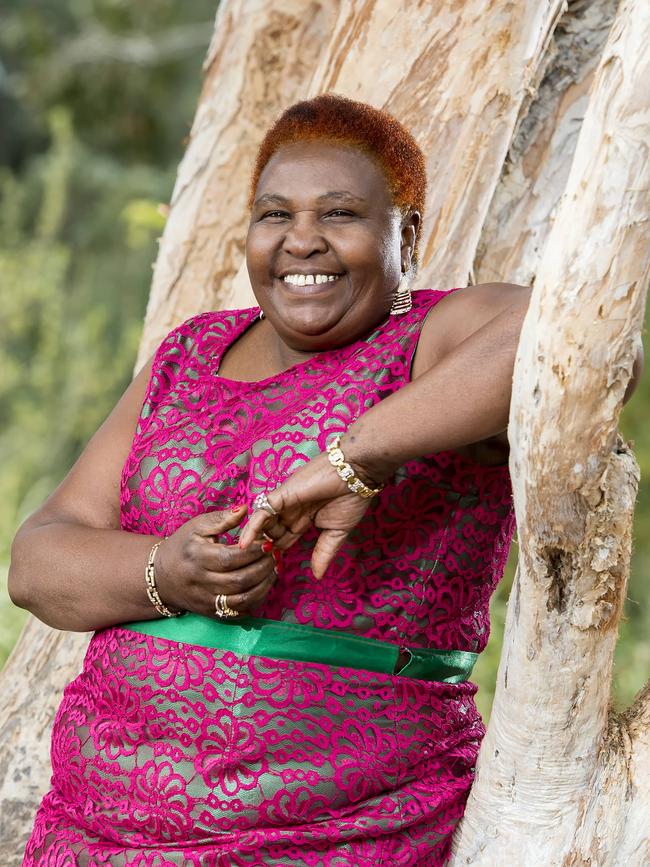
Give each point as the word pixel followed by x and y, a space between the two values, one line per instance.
pixel 559 778
pixel 537 166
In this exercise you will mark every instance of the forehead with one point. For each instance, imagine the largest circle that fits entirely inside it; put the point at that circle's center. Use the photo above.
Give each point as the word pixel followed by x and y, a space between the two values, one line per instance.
pixel 310 169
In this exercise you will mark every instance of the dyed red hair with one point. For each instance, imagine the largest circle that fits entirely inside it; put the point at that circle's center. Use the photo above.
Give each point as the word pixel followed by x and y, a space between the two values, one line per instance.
pixel 335 118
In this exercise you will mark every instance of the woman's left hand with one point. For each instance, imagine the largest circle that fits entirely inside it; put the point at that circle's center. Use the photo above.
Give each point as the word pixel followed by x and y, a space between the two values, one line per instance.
pixel 313 496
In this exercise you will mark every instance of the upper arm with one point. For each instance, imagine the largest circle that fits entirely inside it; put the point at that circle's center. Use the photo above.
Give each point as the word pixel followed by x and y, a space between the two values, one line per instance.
pixel 90 493
pixel 460 314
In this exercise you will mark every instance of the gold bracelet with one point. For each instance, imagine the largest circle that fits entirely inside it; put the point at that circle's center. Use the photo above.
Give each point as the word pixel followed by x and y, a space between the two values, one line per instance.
pixel 152 590
pixel 346 472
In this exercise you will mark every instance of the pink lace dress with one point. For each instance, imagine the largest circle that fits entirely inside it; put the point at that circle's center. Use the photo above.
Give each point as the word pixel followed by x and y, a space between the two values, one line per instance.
pixel 171 753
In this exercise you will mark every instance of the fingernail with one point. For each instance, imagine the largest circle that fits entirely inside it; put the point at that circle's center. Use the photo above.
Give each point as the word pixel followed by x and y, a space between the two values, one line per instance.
pixel 241 544
pixel 267 547
pixel 235 508
pixel 277 556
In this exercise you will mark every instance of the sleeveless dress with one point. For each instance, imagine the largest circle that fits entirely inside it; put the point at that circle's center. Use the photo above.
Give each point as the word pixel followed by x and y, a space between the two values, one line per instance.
pixel 170 753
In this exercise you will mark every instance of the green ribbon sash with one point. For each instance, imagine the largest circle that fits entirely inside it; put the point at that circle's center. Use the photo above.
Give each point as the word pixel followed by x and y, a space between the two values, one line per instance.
pixel 275 639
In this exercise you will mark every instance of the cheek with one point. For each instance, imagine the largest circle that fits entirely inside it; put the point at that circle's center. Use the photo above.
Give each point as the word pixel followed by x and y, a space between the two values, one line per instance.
pixel 365 251
pixel 259 247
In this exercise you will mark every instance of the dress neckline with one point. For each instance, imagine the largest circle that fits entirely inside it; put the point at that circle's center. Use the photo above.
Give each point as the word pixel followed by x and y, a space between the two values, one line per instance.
pixel 248 320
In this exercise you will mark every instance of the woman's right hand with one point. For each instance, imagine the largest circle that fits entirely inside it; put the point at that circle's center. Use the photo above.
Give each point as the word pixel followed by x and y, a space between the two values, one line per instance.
pixel 193 567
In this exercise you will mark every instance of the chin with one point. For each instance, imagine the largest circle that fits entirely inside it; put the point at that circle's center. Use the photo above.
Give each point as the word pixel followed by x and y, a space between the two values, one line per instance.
pixel 311 333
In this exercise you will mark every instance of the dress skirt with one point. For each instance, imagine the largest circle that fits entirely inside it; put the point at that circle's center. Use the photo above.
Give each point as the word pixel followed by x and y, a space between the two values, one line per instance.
pixel 170 753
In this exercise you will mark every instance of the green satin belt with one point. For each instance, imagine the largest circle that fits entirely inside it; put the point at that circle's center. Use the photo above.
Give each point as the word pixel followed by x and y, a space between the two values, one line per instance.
pixel 276 639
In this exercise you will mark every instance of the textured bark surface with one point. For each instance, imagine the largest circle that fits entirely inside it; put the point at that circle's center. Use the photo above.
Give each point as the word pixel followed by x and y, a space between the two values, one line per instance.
pixel 465 83
pixel 559 778
pixel 537 166
pixel 42 663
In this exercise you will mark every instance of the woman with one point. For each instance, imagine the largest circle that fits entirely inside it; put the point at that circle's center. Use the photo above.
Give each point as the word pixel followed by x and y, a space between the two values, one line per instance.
pixel 320 484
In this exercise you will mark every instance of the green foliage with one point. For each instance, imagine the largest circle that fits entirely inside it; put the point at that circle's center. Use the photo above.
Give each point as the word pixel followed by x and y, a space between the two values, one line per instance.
pixel 128 72
pixel 89 144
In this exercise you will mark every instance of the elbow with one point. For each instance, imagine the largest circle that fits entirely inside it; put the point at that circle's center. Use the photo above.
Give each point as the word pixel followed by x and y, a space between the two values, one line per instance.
pixel 18 585
pixel 516 314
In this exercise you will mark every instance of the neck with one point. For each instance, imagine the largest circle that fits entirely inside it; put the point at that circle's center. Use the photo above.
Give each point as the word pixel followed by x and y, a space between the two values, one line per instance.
pixel 284 356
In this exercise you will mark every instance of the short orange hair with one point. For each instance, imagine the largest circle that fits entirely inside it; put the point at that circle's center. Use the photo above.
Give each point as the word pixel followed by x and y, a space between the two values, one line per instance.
pixel 330 117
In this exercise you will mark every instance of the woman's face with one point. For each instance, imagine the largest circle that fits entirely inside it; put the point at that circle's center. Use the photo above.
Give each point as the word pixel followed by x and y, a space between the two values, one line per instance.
pixel 325 245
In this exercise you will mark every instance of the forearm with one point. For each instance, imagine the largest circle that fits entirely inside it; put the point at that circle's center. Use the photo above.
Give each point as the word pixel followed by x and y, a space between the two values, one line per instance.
pixel 461 400
pixel 80 578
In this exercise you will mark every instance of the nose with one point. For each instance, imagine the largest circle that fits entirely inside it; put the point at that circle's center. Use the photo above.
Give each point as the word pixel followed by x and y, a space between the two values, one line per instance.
pixel 304 236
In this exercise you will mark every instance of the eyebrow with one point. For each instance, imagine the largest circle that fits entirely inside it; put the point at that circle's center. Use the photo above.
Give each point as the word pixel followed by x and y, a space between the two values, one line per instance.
pixel 334 195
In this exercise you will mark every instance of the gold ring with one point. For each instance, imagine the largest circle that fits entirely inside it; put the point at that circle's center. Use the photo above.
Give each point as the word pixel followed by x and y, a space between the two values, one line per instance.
pixel 221 607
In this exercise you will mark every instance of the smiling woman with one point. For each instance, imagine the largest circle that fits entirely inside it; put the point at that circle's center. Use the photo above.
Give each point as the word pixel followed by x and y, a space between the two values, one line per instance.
pixel 295 524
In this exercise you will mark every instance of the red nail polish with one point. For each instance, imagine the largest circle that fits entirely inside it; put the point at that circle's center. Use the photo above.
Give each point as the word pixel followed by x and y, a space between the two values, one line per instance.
pixel 267 547
pixel 277 556
pixel 235 508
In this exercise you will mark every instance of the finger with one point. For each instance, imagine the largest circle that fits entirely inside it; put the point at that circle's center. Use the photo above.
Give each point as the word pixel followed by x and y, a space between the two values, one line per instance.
pixel 250 599
pixel 240 580
pixel 285 541
pixel 284 535
pixel 259 522
pixel 262 521
pixel 225 558
pixel 217 522
pixel 325 550
pixel 274 532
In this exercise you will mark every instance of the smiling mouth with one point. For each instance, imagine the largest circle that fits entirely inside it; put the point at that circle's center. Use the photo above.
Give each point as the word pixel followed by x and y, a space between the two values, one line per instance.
pixel 299 280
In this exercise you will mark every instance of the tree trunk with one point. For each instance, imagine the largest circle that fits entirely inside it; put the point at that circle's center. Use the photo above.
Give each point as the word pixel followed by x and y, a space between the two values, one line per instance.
pixel 537 166
pixel 560 779
pixel 493 97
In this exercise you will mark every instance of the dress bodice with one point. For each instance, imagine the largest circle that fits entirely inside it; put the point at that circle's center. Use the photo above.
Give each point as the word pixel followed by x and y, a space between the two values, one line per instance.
pixel 420 567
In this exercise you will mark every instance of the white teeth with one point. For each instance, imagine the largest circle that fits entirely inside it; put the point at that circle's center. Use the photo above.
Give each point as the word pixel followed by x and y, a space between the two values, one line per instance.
pixel 309 279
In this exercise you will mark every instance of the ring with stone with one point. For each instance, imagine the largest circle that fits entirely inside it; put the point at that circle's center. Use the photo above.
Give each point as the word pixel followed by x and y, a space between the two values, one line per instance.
pixel 261 501
pixel 221 607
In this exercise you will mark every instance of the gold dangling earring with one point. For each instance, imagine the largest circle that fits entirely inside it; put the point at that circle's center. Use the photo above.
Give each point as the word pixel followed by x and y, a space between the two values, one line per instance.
pixel 402 300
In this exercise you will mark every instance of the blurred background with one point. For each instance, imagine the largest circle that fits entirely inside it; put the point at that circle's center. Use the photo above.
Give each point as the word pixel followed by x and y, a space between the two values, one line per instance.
pixel 96 99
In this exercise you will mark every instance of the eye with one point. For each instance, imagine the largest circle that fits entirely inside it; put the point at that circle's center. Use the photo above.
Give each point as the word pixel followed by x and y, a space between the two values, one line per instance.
pixel 275 215
pixel 339 212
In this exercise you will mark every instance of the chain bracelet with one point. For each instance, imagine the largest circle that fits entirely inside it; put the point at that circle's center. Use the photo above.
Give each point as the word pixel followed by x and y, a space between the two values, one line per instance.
pixel 346 472
pixel 152 590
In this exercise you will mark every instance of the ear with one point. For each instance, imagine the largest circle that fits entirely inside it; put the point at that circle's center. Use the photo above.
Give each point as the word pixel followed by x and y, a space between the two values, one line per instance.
pixel 409 232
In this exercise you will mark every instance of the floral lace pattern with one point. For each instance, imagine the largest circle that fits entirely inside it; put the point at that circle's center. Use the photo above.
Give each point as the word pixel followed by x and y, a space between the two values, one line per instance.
pixel 165 753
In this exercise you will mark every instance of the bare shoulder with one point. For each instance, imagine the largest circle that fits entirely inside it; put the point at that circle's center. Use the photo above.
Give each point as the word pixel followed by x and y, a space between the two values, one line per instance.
pixel 457 316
